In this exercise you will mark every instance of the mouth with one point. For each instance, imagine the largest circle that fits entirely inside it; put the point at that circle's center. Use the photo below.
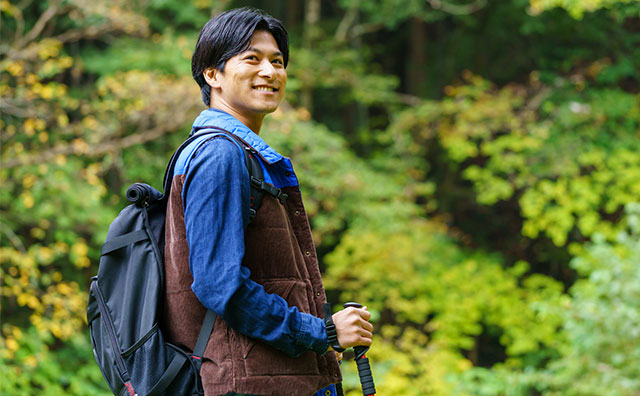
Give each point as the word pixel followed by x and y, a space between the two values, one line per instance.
pixel 265 88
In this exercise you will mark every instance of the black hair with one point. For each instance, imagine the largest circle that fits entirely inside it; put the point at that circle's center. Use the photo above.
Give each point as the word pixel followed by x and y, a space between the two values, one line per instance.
pixel 229 34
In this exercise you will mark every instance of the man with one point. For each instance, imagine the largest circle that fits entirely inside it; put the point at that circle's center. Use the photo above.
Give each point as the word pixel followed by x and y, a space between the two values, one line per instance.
pixel 262 279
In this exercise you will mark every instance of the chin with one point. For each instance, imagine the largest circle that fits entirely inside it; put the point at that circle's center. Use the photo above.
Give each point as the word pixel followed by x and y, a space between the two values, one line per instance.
pixel 268 109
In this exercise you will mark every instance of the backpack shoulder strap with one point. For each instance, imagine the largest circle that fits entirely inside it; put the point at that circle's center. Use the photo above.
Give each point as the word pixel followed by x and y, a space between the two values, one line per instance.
pixel 171 166
pixel 256 175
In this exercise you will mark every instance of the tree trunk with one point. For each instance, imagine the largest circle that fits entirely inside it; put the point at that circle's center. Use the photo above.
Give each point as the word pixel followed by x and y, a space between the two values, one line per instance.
pixel 310 34
pixel 293 13
pixel 417 57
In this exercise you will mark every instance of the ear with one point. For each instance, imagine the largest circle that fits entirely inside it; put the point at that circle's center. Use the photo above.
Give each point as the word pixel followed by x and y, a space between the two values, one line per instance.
pixel 211 76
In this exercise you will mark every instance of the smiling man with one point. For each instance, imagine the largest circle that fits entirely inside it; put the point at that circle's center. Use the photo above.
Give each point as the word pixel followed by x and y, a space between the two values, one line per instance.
pixel 261 277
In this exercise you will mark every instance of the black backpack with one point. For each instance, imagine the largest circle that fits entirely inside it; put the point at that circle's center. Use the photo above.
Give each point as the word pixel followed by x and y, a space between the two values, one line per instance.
pixel 126 297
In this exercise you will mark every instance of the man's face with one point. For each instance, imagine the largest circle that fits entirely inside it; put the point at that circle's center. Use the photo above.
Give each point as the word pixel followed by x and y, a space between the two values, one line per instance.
pixel 253 82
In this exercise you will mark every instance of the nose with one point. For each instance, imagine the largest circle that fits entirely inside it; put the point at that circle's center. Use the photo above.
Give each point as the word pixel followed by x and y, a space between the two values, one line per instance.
pixel 266 69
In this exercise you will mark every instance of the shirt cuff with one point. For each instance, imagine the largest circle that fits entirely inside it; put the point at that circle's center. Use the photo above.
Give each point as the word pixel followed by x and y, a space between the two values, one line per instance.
pixel 313 334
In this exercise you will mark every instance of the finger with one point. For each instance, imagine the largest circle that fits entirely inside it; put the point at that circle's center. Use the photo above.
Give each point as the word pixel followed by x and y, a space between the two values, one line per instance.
pixel 366 334
pixel 366 315
pixel 367 326
pixel 352 311
pixel 363 324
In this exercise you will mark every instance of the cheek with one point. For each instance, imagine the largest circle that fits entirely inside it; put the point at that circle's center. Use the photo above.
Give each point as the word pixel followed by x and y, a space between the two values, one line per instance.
pixel 241 80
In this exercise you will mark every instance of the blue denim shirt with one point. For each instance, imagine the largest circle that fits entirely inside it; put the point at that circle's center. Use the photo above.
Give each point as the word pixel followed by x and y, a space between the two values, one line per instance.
pixel 216 203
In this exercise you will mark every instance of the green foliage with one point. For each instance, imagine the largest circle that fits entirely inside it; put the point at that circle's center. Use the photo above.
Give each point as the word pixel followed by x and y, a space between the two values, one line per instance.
pixel 37 368
pixel 568 157
pixel 168 53
pixel 390 13
pixel 602 320
pixel 436 200
pixel 437 304
pixel 577 8
pixel 346 70
pixel 340 191
pixel 599 324
pixel 189 15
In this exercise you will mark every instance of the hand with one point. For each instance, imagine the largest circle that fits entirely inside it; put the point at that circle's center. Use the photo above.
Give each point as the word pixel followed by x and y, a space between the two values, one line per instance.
pixel 353 327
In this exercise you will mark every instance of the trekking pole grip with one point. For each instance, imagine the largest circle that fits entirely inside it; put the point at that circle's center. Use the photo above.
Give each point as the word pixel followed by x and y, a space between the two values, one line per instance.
pixel 364 368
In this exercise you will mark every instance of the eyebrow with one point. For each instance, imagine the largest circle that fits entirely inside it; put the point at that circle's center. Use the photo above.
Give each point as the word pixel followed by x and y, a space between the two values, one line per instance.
pixel 254 49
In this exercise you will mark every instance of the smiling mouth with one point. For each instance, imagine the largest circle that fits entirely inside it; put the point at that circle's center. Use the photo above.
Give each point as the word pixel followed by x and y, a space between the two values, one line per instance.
pixel 263 88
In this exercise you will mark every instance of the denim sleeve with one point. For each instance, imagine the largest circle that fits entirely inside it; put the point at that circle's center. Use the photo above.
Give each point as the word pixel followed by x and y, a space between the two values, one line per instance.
pixel 216 205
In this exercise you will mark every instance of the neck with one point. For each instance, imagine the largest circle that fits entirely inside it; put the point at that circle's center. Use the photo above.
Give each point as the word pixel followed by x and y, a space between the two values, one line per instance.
pixel 253 123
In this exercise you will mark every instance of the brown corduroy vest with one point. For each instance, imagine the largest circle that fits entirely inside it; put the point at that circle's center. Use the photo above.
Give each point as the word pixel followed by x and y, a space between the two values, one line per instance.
pixel 280 253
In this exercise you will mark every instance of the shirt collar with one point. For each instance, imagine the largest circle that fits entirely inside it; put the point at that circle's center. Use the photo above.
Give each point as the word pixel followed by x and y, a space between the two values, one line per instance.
pixel 221 119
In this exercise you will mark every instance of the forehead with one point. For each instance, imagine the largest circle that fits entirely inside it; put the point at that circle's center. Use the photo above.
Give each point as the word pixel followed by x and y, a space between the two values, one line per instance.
pixel 263 41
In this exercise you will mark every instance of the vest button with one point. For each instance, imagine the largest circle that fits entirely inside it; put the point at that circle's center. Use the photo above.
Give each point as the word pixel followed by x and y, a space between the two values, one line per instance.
pixel 318 294
pixel 297 213
pixel 308 253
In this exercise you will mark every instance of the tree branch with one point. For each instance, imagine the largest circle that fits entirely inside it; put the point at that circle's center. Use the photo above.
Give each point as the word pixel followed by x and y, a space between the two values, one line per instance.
pixel 11 109
pixel 410 100
pixel 19 22
pixel 457 9
pixel 541 95
pixel 86 150
pixel 89 32
pixel 365 28
pixel 13 238
pixel 39 26
pixel 346 23
pixel 24 4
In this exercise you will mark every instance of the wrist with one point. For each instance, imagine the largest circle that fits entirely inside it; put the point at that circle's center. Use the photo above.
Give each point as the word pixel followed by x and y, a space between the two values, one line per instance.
pixel 332 332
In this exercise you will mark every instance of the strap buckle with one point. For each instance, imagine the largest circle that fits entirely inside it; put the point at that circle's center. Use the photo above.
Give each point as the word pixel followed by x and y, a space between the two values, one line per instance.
pixel 257 183
pixel 263 186
pixel 282 197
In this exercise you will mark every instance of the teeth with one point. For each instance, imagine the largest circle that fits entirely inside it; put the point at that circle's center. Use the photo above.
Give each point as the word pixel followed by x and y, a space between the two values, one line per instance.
pixel 268 89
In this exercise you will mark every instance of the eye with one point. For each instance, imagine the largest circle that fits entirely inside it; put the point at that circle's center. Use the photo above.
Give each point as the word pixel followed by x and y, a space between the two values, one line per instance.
pixel 278 61
pixel 251 57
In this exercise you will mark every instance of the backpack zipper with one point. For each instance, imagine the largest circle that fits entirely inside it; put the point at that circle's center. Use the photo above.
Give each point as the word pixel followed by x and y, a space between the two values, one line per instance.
pixel 112 334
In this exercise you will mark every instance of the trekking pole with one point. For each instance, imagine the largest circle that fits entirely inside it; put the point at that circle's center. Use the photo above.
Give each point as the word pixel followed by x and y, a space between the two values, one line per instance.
pixel 364 369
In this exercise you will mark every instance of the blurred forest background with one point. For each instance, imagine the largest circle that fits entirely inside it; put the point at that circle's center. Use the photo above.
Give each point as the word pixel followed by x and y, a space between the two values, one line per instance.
pixel 470 168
